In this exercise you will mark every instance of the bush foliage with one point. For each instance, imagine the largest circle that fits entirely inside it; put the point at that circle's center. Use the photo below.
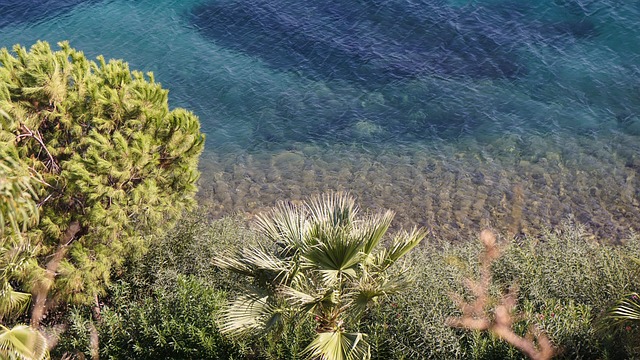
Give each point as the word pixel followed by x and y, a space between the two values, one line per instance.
pixel 175 307
pixel 567 282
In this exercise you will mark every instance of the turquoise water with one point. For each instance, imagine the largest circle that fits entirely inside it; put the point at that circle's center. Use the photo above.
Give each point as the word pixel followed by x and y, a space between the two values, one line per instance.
pixel 456 114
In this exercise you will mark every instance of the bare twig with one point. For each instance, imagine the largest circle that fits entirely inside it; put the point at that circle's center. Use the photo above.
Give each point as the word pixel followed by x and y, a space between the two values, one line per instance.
pixel 28 133
pixel 535 345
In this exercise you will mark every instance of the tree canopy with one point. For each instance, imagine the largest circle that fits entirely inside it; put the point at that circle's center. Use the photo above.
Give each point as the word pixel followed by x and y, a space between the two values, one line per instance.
pixel 112 162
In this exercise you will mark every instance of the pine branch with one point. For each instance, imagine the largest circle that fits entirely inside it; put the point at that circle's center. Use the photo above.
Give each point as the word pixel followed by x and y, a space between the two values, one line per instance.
pixel 38 137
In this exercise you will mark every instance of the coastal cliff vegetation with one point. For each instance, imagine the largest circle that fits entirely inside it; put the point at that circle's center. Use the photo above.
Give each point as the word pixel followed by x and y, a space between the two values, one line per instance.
pixel 105 253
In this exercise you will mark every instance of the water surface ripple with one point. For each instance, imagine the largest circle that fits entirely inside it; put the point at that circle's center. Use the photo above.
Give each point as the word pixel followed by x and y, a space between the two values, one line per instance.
pixel 457 114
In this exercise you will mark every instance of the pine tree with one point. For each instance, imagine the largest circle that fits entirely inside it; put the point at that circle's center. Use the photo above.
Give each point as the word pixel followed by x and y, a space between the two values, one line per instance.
pixel 117 166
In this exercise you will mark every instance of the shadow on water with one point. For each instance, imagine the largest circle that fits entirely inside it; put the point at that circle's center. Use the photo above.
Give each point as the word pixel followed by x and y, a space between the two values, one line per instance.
pixel 374 43
pixel 20 11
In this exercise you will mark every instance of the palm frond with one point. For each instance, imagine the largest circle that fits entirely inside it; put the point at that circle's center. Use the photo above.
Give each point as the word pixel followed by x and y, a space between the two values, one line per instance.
pixel 255 260
pixel 370 287
pixel 335 257
pixel 297 298
pixel 627 309
pixel 250 314
pixel 261 259
pixel 335 209
pixel 22 342
pixel 373 229
pixel 302 301
pixel 402 244
pixel 12 302
pixel 286 225
pixel 339 345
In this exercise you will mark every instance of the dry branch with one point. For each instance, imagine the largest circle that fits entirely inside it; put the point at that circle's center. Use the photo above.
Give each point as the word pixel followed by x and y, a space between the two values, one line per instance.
pixel 535 345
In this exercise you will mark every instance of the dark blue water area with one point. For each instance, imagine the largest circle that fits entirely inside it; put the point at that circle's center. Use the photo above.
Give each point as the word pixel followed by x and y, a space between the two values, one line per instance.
pixel 375 43
pixel 397 61
pixel 32 11
pixel 265 74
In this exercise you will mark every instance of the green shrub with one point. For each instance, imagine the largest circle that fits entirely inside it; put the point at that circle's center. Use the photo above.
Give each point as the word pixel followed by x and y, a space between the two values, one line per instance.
pixel 566 280
pixel 189 249
pixel 177 322
pixel 166 303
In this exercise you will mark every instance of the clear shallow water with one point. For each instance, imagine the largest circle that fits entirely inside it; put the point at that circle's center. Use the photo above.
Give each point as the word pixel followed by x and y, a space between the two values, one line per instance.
pixel 456 114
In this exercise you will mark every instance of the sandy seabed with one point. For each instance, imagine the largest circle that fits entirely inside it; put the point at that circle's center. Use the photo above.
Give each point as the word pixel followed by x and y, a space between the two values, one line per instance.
pixel 515 185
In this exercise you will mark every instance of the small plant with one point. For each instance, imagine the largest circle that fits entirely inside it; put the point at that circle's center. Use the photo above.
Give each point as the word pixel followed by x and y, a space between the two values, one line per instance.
pixel 500 322
pixel 321 261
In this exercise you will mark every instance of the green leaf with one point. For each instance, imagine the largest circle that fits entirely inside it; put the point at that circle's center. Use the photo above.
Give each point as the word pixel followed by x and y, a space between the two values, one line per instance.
pixel 22 342
pixel 339 345
pixel 627 309
pixel 250 313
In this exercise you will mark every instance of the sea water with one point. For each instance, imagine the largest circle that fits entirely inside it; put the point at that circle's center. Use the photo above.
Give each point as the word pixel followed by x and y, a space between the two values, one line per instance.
pixel 458 114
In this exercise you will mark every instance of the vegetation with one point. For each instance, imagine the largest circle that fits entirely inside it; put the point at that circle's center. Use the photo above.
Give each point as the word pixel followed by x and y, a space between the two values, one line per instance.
pixel 115 165
pixel 94 172
pixel 500 318
pixel 566 283
pixel 18 210
pixel 162 302
pixel 320 260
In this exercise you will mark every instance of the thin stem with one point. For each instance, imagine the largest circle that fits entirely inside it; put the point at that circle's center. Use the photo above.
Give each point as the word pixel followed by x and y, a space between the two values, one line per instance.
pixel 38 137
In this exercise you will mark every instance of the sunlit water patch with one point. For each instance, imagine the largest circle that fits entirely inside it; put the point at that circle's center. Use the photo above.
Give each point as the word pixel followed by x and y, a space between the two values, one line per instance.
pixel 456 114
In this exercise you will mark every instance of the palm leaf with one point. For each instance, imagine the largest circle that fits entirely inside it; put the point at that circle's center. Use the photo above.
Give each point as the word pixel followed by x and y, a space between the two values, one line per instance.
pixel 402 244
pixel 339 345
pixel 335 257
pixel 12 302
pixel 370 287
pixel 250 313
pixel 302 301
pixel 334 209
pixel 253 261
pixel 627 309
pixel 373 229
pixel 22 342
pixel 286 225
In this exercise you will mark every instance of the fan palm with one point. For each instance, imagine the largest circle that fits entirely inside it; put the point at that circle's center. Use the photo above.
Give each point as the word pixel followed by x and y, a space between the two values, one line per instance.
pixel 22 343
pixel 321 259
